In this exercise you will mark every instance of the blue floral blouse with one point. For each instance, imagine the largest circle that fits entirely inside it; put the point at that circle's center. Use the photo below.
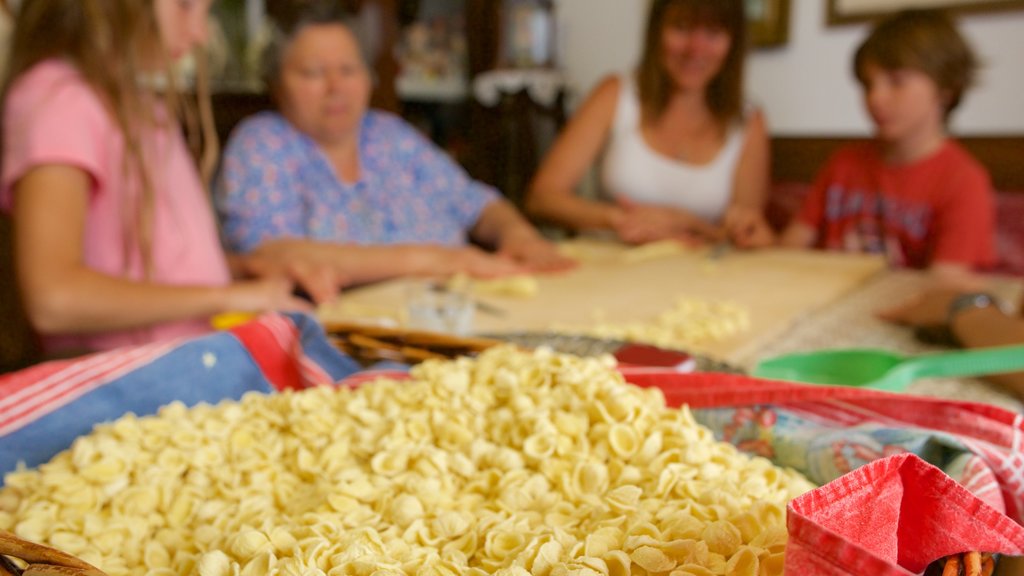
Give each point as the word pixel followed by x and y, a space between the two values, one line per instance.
pixel 275 182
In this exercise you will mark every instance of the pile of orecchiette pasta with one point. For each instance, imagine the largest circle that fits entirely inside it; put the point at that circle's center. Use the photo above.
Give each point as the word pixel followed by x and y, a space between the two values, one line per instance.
pixel 691 324
pixel 513 463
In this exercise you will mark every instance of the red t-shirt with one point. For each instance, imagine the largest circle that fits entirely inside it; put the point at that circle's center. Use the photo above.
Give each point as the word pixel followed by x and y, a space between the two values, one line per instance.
pixel 938 209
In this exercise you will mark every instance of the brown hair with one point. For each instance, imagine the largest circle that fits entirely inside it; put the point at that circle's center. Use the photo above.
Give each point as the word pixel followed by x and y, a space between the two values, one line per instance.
pixel 108 41
pixel 924 40
pixel 288 19
pixel 725 92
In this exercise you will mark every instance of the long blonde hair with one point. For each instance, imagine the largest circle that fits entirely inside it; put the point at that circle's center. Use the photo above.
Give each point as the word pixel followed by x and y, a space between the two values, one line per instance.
pixel 109 43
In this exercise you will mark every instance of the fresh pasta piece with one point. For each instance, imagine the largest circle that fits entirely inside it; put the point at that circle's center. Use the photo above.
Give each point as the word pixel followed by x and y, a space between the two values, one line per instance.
pixel 513 286
pixel 652 559
pixel 511 463
pixel 517 286
pixel 215 563
pixel 655 251
pixel 722 537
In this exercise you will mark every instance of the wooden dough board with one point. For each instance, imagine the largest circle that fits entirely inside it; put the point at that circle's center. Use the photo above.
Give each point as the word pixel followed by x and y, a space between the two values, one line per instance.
pixel 777 286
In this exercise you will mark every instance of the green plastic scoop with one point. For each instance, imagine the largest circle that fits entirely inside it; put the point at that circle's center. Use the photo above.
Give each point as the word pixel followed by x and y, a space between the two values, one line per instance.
pixel 888 371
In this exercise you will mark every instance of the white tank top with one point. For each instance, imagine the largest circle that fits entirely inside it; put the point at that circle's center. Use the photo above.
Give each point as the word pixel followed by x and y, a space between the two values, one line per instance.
pixel 630 168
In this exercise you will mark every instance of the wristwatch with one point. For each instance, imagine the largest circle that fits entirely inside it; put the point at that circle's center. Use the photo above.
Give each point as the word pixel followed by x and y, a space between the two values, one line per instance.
pixel 970 301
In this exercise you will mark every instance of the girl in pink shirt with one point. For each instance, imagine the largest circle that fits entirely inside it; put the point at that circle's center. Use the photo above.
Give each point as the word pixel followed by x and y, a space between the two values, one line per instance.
pixel 115 242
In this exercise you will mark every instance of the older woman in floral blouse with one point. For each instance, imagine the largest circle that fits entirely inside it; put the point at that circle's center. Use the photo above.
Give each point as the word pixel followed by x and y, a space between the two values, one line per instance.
pixel 328 171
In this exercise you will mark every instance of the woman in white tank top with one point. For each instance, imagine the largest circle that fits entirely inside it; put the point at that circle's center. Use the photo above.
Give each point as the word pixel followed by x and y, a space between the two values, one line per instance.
pixel 681 156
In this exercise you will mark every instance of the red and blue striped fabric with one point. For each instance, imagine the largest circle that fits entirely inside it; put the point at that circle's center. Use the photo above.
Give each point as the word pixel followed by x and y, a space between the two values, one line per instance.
pixel 44 408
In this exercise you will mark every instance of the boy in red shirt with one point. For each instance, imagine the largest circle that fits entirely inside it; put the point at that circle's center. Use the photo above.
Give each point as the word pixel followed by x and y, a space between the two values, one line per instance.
pixel 912 193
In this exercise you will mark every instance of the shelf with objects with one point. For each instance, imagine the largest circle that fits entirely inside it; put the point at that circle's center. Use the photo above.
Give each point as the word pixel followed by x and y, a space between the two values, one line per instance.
pixel 480 77
pixel 432 73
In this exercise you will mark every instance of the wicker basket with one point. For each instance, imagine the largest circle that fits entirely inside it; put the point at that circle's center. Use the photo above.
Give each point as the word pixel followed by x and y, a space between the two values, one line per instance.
pixel 23 558
pixel 370 344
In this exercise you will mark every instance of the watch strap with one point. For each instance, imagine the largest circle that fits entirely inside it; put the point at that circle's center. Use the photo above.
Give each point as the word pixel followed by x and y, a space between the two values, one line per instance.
pixel 970 301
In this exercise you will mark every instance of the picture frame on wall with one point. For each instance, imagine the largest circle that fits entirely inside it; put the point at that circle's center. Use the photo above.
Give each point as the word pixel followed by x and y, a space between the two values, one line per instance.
pixel 527 34
pixel 853 11
pixel 768 22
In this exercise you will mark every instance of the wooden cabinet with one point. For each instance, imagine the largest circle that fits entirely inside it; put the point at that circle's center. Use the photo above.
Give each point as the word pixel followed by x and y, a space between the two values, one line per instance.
pixel 498 140
pixel 514 126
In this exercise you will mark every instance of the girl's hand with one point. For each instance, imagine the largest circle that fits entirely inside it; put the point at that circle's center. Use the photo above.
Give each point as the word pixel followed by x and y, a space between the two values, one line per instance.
pixel 264 295
pixel 747 228
pixel 298 261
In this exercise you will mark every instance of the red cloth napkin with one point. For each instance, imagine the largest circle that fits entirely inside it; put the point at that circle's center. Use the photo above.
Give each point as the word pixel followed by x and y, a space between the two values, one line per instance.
pixel 894 516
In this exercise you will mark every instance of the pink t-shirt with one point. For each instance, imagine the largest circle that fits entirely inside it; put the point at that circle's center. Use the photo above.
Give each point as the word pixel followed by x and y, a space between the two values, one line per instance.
pixel 53 117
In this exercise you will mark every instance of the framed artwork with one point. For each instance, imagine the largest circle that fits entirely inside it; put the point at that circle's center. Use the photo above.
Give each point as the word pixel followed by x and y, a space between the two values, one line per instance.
pixel 848 11
pixel 527 34
pixel 768 22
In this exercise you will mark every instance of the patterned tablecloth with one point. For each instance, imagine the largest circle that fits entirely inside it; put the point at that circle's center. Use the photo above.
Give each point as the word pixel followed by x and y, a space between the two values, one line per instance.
pixel 850 322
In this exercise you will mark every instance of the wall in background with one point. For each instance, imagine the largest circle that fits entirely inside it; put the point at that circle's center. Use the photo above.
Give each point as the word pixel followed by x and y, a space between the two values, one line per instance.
pixel 597 37
pixel 806 86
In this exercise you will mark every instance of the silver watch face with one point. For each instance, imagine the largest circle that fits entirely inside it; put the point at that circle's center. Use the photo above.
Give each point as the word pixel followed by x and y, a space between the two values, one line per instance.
pixel 970 301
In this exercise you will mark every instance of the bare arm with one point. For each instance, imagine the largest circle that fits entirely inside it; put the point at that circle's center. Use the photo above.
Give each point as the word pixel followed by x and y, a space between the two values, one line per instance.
pixel 63 295
pixel 322 268
pixel 751 187
pixel 350 264
pixel 974 328
pixel 987 327
pixel 744 218
pixel 500 223
pixel 551 196
pixel 501 226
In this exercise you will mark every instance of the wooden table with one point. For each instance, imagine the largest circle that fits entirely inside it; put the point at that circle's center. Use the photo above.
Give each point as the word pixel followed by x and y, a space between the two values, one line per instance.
pixel 798 301
pixel 778 287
